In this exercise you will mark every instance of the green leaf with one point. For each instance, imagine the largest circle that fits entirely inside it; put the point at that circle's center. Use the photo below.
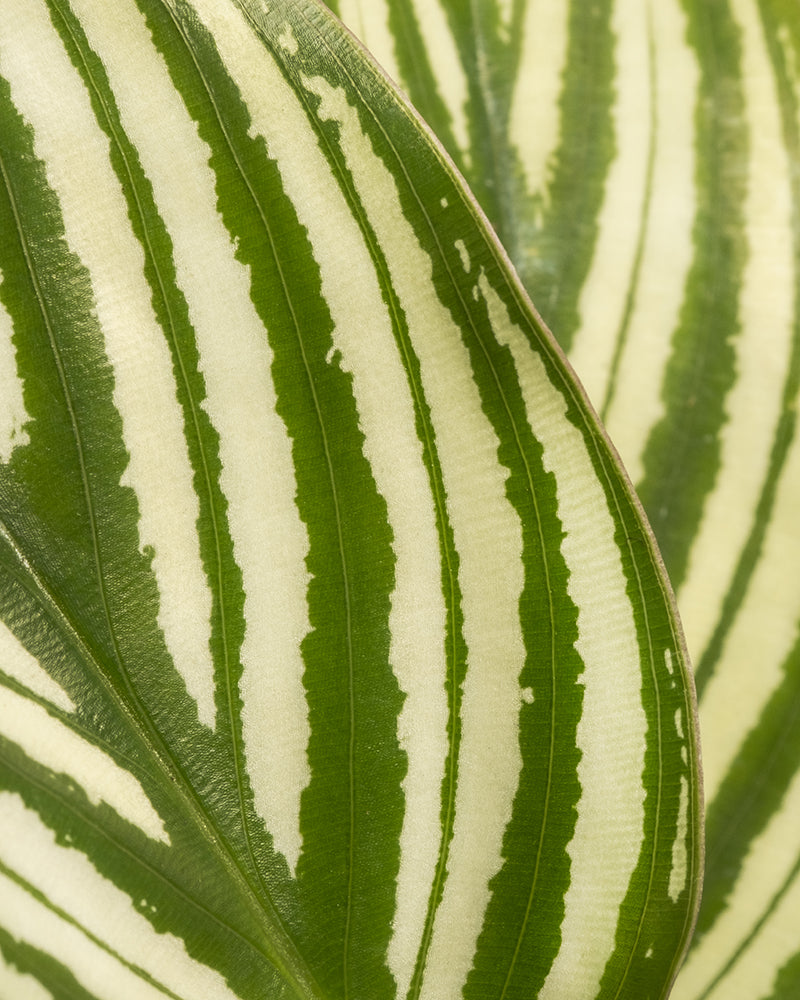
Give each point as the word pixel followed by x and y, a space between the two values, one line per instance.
pixel 640 162
pixel 338 660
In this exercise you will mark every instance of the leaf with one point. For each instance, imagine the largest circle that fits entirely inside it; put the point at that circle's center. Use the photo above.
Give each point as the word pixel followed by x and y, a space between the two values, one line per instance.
pixel 337 659
pixel 640 163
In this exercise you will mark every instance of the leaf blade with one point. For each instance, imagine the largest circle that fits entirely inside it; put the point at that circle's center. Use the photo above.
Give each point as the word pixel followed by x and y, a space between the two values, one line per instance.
pixel 490 429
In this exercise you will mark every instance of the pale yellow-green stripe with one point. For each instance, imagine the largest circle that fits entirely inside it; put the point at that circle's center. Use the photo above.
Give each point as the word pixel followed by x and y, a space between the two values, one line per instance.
pixel 17 662
pixel 97 229
pixel 535 120
pixel 13 415
pixel 69 881
pixel 753 407
pixel 760 639
pixel 680 848
pixel 506 10
pixel 449 71
pixel 611 807
pixel 369 20
pixel 364 345
pixel 463 253
pixel 768 863
pixel 487 535
pixel 20 986
pixel 660 290
pixel 257 477
pixel 54 746
pixel 775 944
pixel 287 40
pixel 680 856
pixel 602 298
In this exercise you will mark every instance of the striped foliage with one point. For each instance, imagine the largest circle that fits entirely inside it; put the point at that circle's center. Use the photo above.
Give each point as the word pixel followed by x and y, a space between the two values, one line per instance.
pixel 641 162
pixel 337 659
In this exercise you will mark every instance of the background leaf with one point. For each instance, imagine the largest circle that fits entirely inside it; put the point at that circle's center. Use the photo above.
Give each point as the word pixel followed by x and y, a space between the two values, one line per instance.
pixel 338 659
pixel 640 162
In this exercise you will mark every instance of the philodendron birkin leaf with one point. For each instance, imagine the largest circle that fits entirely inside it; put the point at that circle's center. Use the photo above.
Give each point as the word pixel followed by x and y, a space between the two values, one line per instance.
pixel 337 661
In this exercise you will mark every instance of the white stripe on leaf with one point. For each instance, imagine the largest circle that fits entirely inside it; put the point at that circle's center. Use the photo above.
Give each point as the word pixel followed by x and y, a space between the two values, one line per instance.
pixel 658 291
pixel 763 634
pixel 97 229
pixel 69 882
pixel 445 59
pixel 13 415
pixel 287 40
pixel 767 867
pixel 463 253
pixel 55 746
pixel 505 8
pixel 369 19
pixel 269 540
pixel 364 345
pixel 612 731
pixel 680 846
pixel 487 536
pixel 20 986
pixel 754 405
pixel 17 662
pixel 535 120
pixel 680 854
pixel 603 295
pixel 417 609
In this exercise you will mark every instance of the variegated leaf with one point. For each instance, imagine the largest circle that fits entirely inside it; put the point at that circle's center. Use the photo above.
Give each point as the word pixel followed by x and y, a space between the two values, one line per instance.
pixel 640 161
pixel 337 658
